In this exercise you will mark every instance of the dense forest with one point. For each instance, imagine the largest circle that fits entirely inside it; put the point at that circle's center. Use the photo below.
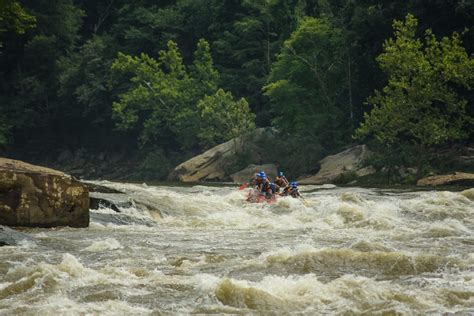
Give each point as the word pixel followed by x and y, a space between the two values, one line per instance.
pixel 165 80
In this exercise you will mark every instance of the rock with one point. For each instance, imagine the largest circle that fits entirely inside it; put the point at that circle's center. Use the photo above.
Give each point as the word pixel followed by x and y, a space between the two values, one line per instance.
pixel 11 237
pixel 40 197
pixel 244 175
pixel 457 178
pixel 212 165
pixel 98 203
pixel 332 167
pixel 362 172
pixel 113 201
pixel 100 188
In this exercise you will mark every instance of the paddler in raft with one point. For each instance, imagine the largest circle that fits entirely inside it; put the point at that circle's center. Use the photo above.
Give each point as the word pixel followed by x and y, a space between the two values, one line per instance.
pixel 260 182
pixel 292 190
pixel 281 182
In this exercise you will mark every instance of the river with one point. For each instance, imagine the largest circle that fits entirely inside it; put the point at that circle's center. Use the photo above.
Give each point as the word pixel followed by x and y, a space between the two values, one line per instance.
pixel 205 250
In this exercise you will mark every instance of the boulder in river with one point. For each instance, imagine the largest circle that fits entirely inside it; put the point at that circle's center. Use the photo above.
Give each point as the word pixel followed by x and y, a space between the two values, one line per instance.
pixel 212 165
pixel 457 178
pixel 333 166
pixel 36 196
pixel 244 175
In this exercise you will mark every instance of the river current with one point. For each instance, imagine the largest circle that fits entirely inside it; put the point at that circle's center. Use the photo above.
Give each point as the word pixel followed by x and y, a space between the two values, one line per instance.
pixel 202 249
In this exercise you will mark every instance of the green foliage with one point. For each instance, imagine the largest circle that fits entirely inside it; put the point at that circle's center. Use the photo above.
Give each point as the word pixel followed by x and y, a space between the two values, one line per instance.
pixel 305 83
pixel 4 131
pixel 421 104
pixel 346 178
pixel 161 102
pixel 14 18
pixel 156 165
pixel 83 81
pixel 250 39
pixel 316 59
pixel 204 77
pixel 223 118
pixel 29 87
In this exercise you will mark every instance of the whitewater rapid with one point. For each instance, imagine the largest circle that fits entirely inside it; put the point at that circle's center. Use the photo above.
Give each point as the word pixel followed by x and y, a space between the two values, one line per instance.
pixel 203 249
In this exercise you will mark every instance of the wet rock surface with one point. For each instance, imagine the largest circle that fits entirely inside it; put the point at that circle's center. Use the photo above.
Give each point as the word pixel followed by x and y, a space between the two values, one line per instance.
pixel 213 164
pixel 457 178
pixel 36 196
pixel 333 166
pixel 248 173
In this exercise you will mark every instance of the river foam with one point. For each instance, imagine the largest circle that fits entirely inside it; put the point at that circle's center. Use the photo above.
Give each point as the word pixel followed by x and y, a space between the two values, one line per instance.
pixel 202 249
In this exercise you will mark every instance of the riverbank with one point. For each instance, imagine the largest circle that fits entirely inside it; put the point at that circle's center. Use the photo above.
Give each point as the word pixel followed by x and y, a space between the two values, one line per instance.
pixel 352 165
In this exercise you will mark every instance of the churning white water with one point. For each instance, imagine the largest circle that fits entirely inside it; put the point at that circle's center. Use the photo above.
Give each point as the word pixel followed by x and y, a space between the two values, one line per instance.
pixel 205 250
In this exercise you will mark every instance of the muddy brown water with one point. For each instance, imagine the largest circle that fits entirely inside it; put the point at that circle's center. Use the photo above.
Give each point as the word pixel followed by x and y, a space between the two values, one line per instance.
pixel 203 249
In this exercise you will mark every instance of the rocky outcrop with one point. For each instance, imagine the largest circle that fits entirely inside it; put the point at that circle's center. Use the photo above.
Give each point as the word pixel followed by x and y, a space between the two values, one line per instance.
pixel 248 173
pixel 457 178
pixel 40 197
pixel 334 166
pixel 93 187
pixel 213 164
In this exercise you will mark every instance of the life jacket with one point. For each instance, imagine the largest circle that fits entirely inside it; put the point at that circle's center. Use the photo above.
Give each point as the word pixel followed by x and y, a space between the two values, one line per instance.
pixel 294 192
pixel 257 182
pixel 280 181
pixel 265 185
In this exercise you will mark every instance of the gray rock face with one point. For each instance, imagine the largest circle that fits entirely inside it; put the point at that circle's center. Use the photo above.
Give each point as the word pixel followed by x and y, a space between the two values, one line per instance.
pixel 211 165
pixel 40 197
pixel 349 160
pixel 248 173
pixel 457 178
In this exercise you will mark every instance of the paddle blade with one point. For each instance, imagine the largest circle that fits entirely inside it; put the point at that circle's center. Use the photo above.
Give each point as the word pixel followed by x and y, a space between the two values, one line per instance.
pixel 243 186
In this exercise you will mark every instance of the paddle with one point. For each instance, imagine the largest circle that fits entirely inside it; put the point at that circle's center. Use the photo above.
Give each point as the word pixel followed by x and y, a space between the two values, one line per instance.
pixel 243 186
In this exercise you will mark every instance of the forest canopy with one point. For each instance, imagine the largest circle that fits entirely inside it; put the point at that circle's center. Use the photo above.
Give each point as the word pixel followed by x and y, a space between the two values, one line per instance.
pixel 169 79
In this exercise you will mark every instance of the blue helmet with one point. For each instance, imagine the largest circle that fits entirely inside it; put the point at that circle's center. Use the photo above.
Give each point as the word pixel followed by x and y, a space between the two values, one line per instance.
pixel 294 184
pixel 263 177
pixel 272 186
pixel 262 173
pixel 281 174
pixel 259 175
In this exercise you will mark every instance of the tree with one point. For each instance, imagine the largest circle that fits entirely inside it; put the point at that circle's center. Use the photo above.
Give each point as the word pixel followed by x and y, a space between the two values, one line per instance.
pixel 304 85
pixel 223 118
pixel 422 103
pixel 30 72
pixel 247 48
pixel 161 102
pixel 14 18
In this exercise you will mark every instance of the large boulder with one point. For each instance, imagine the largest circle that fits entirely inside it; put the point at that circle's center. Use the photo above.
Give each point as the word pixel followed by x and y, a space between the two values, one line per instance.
pixel 457 178
pixel 213 164
pixel 40 197
pixel 249 172
pixel 334 166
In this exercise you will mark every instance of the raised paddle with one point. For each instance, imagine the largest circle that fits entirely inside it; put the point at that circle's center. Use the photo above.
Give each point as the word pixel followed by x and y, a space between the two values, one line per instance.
pixel 243 186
